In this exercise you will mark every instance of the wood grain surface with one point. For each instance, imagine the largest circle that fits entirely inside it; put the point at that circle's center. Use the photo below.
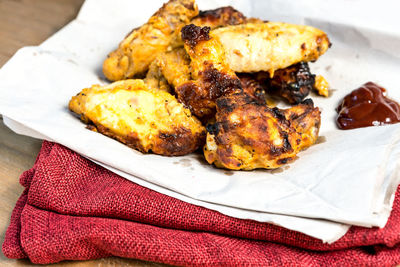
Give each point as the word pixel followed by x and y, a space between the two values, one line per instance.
pixel 24 23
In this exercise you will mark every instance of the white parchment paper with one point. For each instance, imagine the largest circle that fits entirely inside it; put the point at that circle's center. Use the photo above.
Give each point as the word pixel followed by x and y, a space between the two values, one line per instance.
pixel 347 180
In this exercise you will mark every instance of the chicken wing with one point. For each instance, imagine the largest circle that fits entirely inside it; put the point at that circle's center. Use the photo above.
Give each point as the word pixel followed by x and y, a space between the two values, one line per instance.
pixel 270 46
pixel 142 45
pixel 248 135
pixel 140 118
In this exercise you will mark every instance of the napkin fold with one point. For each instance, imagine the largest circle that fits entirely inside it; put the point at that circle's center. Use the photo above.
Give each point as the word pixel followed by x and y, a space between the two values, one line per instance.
pixel 73 209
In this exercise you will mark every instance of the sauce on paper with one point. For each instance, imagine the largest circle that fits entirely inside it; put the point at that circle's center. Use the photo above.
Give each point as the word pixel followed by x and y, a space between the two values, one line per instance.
pixel 367 106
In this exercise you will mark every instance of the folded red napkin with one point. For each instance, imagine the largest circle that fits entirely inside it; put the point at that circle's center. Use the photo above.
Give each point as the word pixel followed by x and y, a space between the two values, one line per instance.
pixel 73 209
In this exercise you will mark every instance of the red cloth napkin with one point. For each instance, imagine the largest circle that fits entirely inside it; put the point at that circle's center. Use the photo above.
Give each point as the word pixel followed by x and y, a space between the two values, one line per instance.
pixel 73 209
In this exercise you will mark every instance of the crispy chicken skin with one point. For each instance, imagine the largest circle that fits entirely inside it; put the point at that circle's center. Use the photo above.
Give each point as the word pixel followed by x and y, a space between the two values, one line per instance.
pixel 270 46
pixel 143 119
pixel 211 77
pixel 142 45
pixel 248 135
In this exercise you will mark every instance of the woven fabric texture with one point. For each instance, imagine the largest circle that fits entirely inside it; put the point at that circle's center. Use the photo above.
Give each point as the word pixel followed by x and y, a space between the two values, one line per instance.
pixel 73 209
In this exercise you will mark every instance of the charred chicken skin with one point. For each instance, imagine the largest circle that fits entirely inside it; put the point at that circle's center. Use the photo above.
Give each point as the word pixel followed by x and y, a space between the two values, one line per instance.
pixel 143 44
pixel 143 119
pixel 248 135
pixel 293 83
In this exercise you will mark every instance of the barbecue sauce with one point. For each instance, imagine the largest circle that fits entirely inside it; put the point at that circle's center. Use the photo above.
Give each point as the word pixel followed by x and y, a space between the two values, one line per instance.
pixel 367 106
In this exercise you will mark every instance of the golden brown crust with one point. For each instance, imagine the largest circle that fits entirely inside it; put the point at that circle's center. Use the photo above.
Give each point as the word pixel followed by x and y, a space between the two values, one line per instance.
pixel 248 135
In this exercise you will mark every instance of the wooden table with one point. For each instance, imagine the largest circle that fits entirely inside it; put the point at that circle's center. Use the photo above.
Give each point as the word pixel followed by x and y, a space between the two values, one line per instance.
pixel 22 23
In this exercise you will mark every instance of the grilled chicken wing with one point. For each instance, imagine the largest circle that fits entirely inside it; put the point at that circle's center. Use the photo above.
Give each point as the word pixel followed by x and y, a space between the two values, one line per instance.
pixel 248 135
pixel 140 118
pixel 142 45
pixel 270 46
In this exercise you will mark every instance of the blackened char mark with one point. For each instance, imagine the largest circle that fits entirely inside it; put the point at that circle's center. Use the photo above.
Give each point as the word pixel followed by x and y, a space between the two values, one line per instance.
pixel 213 128
pixel 192 34
pixel 278 114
